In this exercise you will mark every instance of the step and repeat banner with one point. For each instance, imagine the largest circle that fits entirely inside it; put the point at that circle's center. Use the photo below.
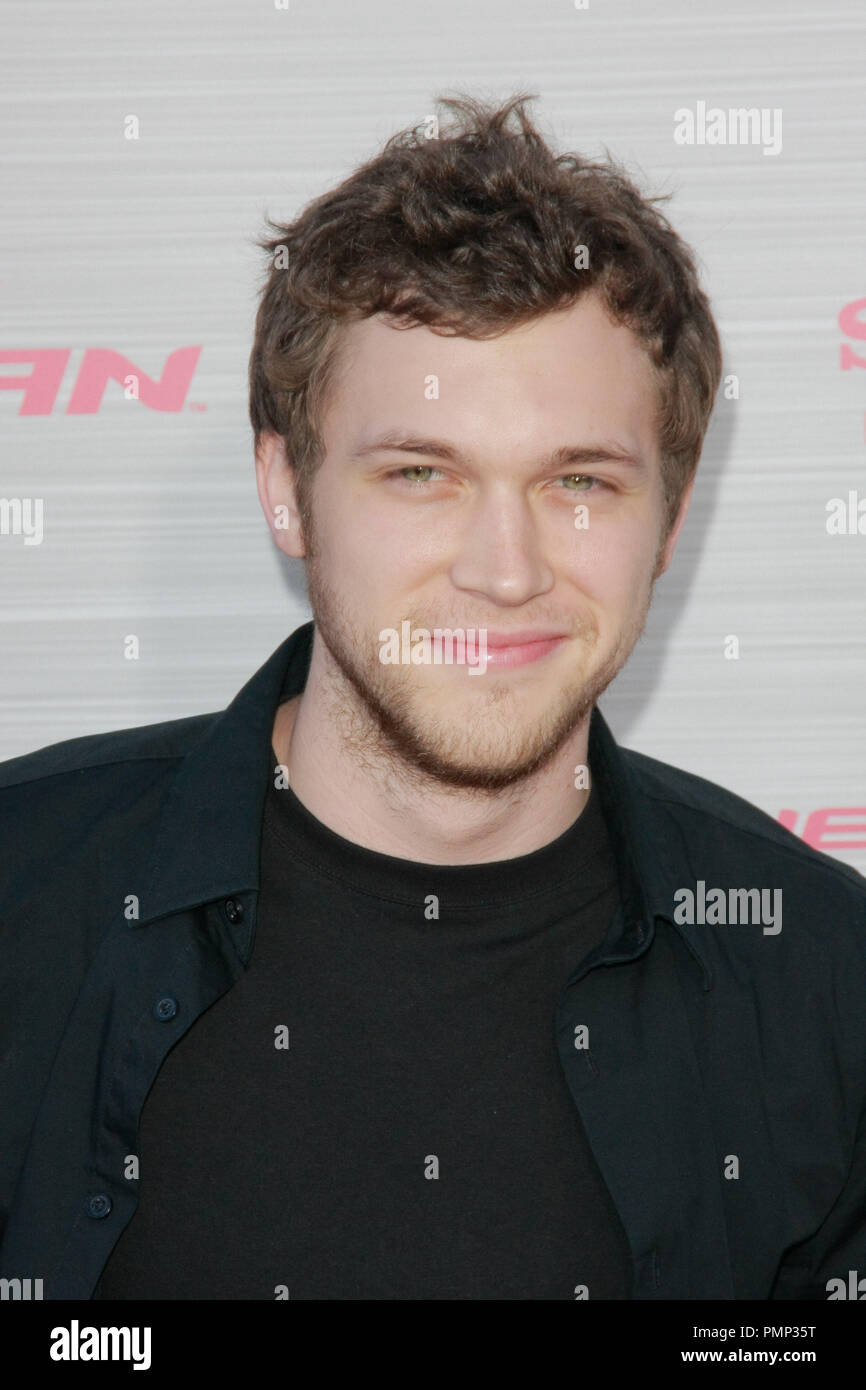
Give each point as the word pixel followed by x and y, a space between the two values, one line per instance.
pixel 144 144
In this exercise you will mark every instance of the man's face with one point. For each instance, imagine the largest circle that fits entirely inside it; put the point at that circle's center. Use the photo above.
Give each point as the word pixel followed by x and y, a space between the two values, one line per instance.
pixel 484 534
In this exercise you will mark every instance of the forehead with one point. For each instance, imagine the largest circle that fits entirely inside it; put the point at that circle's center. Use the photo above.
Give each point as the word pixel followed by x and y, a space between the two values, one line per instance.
pixel 570 370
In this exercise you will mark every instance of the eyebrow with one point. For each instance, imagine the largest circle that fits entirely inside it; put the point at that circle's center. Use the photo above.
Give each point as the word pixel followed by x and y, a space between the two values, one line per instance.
pixel 394 441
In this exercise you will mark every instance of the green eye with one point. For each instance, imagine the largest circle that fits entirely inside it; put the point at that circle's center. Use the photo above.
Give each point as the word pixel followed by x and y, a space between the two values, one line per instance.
pixel 402 474
pixel 581 478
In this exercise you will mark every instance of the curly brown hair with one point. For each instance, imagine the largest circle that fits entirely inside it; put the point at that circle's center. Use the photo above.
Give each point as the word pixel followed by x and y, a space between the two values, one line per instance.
pixel 475 231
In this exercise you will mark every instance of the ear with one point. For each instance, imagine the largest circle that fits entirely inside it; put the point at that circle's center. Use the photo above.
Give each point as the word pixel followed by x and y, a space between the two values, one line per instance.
pixel 667 551
pixel 275 482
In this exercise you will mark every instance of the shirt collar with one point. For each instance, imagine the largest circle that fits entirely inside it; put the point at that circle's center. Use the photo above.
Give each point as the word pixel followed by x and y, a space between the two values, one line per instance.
pixel 206 844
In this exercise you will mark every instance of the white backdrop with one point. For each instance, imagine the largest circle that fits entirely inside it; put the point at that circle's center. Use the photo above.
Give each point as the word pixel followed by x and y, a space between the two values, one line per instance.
pixel 142 247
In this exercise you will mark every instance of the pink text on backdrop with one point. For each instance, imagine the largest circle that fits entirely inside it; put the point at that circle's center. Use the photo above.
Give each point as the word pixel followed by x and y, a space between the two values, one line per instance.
pixel 853 326
pixel 98 366
pixel 823 828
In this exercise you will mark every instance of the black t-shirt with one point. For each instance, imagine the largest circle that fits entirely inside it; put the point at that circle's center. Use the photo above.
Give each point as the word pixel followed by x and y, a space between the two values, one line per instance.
pixel 377 1109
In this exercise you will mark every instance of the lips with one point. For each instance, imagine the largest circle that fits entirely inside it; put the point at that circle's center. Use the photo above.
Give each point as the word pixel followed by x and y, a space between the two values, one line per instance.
pixel 508 650
pixel 526 637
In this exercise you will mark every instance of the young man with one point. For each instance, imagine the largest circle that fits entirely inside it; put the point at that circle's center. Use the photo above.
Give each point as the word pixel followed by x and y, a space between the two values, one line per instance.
pixel 399 979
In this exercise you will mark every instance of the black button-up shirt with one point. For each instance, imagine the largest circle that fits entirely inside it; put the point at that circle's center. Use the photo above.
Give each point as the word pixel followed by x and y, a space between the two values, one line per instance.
pixel 722 1088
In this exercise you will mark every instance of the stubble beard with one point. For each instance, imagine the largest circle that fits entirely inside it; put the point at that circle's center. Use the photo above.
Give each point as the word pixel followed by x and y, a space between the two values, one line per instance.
pixel 385 725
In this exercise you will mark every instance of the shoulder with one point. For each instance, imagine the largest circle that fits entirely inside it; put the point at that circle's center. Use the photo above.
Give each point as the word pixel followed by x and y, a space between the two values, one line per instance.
pixel 712 842
pixel 121 750
pixel 719 826
pixel 63 807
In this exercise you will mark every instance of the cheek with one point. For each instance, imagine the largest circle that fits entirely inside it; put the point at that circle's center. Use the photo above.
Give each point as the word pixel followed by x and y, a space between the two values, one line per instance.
pixel 367 560
pixel 609 566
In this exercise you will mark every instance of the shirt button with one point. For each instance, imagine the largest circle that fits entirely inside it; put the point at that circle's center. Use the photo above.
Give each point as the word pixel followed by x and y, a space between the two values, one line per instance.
pixel 234 910
pixel 98 1205
pixel 165 1009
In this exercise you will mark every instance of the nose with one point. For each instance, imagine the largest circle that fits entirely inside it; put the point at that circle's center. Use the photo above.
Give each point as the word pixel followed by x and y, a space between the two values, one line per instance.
pixel 501 555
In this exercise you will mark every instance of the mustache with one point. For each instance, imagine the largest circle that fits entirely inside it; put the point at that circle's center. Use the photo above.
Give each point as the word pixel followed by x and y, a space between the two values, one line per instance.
pixel 571 627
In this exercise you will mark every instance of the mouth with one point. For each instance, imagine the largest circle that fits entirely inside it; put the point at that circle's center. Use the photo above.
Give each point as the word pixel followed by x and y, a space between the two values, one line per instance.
pixel 519 649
